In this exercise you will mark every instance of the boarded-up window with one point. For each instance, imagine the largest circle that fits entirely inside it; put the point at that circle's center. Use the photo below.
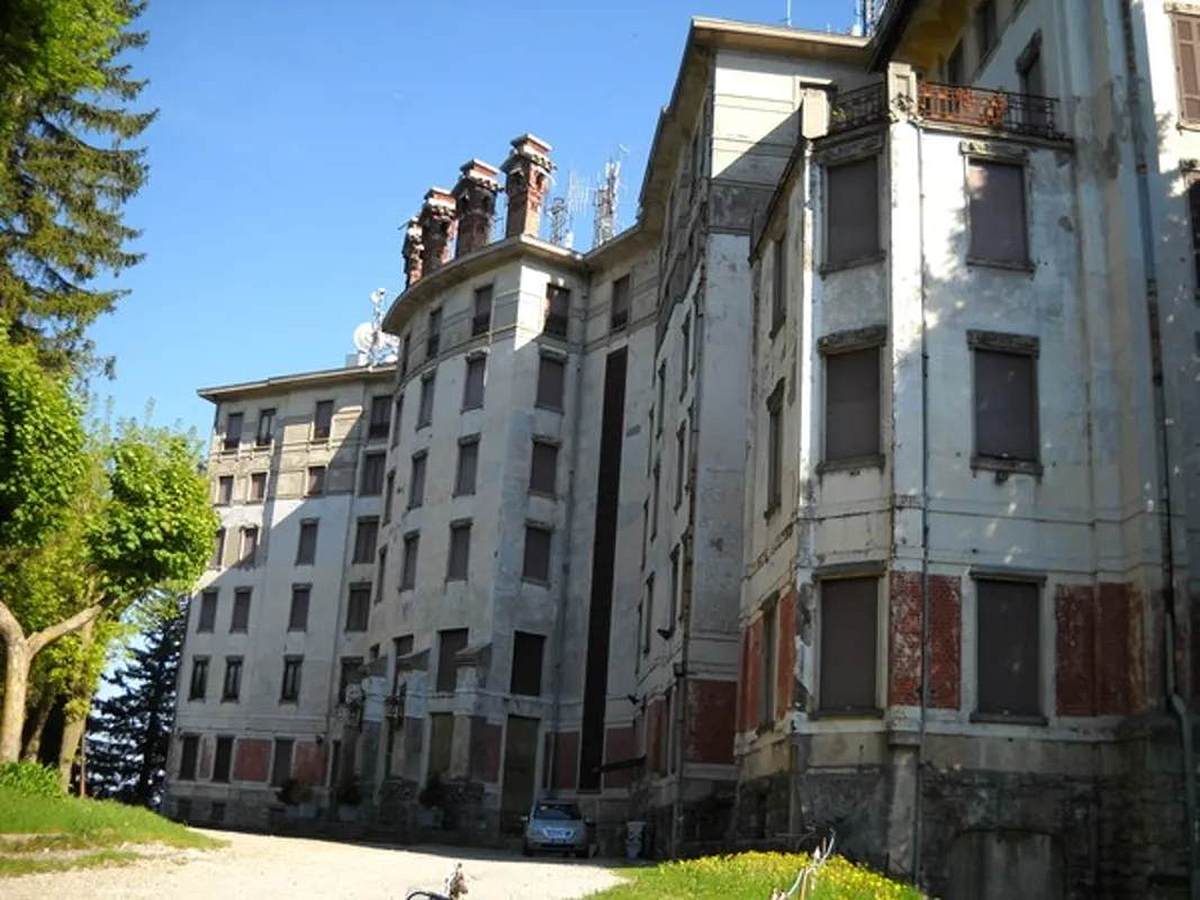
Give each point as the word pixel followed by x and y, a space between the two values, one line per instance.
pixel 551 373
pixel 224 490
pixel 218 549
pixel 1007 649
pixel 240 621
pixel 208 611
pixel 849 607
pixel 222 759
pixel 231 687
pixel 306 549
pixel 766 695
pixel 558 304
pixel 775 448
pixel 281 768
pixel 408 574
pixel 543 468
pixel 358 607
pixel 289 691
pixel 537 554
pixel 381 574
pixel 249 546
pixel 852 211
pixel 779 287
pixel 1006 425
pixel 187 757
pixel 233 430
pixel 527 664
pixel 996 196
pixel 450 642
pixel 315 485
pixel 372 474
pixel 266 428
pixel 1187 65
pixel 481 320
pixel 473 383
pixel 298 614
pixel 852 404
pixel 257 490
pixel 378 423
pixel 459 560
pixel 441 739
pixel 425 412
pixel 322 420
pixel 397 418
pixel 389 491
pixel 199 684
pixel 468 463
pixel 348 674
pixel 619 312
pixel 416 483
pixel 366 536
pixel 433 337
pixel 648 615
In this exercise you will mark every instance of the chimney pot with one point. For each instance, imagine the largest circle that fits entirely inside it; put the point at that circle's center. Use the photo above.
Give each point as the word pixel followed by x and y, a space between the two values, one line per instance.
pixel 439 224
pixel 475 198
pixel 528 169
pixel 413 250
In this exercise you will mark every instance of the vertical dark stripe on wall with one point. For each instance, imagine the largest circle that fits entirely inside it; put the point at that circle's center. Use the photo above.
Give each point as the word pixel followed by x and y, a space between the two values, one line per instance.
pixel 604 546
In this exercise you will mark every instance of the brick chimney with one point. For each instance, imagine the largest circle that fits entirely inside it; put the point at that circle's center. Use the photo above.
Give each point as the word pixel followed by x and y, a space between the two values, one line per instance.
pixel 412 252
pixel 438 225
pixel 475 195
pixel 528 170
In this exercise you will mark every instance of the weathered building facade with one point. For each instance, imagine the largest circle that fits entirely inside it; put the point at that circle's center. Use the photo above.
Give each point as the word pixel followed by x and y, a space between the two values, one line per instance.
pixel 855 486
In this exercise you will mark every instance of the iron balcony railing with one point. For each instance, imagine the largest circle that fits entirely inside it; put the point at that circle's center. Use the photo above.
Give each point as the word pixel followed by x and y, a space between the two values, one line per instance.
pixel 1025 114
pixel 861 106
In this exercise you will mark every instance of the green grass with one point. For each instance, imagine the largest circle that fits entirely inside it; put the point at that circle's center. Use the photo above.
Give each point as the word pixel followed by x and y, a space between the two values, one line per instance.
pixel 752 876
pixel 10 867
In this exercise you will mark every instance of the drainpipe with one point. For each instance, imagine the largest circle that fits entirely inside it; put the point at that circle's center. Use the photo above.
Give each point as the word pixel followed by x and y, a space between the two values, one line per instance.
pixel 1178 704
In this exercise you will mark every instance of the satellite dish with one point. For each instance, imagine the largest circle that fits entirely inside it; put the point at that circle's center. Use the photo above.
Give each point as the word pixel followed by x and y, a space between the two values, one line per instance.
pixel 364 337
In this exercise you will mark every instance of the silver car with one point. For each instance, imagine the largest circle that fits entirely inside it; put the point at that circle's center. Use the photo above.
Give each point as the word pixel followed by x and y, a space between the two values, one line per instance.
pixel 556 825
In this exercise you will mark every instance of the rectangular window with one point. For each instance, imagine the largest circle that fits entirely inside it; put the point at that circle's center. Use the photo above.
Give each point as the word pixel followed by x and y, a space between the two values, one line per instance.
pixel 450 642
pixel 266 428
pixel 654 499
pixel 208 612
pixel 289 691
pixel 685 353
pixel 996 209
pixel 648 615
pixel 240 620
pixel 460 551
pixel 199 685
pixel 775 448
pixel 673 596
pixel 1006 404
pixel 416 482
pixel 408 574
pixel 1193 194
pixel 558 304
pixel 389 491
pixel 527 664
pixel 187 757
pixel 680 463
pixel 323 420
pixel 249 545
pixel 852 405
pixel 371 484
pixel 222 759
pixel 405 347
pixel 849 607
pixel 779 287
pixel 852 212
pixel 425 411
pixel 619 310
pixel 481 319
pixel 348 674
pixel 298 614
pixel 536 566
pixel 257 489
pixel 766 695
pixel 551 375
pixel 380 574
pixel 468 464
pixel 231 687
pixel 379 423
pixel 224 490
pixel 473 383
pixel 1187 64
pixel 366 536
pixel 233 430
pixel 397 416
pixel 401 647
pixel 315 486
pixel 441 740
pixel 306 548
pixel 433 337
pixel 218 556
pixel 662 396
pixel 1007 647
pixel 281 767
pixel 985 27
pixel 543 469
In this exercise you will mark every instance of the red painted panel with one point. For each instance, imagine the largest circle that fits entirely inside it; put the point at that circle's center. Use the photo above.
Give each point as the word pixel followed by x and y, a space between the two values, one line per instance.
pixel 753 675
pixel 252 761
pixel 308 762
pixel 785 679
pixel 620 743
pixel 945 641
pixel 1117 674
pixel 710 727
pixel 1075 649
pixel 904 639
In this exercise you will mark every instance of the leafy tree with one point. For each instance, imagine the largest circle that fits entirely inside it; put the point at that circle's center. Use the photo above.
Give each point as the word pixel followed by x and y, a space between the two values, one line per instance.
pixel 66 167
pixel 129 732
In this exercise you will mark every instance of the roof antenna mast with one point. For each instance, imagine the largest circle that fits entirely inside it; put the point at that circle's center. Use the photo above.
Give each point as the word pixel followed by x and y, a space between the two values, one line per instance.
pixel 788 18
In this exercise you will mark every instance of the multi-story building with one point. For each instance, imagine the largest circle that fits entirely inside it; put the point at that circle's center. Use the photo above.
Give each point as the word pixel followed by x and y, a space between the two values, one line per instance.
pixel 855 486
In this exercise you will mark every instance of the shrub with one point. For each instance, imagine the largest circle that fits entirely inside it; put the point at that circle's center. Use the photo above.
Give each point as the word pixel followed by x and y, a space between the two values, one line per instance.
pixel 30 779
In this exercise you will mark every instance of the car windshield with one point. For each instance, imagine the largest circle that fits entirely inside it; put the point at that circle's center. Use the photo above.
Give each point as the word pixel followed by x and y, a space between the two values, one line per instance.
pixel 561 812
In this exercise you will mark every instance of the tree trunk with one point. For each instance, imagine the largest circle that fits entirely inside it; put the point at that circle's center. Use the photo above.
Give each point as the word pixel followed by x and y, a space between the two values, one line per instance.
pixel 16 685
pixel 33 743
pixel 72 736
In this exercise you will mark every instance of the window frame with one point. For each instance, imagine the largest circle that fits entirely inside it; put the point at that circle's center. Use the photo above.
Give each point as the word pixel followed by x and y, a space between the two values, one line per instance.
pixel 313 527
pixel 315 476
pixel 876 572
pixel 198 682
pixel 293 666
pixel 529 639
pixel 356 591
pixel 471 441
pixel 265 417
pixel 554 446
pixel 1044 613
pixel 419 462
pixel 433 333
pixel 426 400
pixel 557 324
pixel 234 667
pixel 481 323
pixel 322 431
pixel 558 404
pixel 298 591
pixel 207 614
pixel 374 472
pixel 870 338
pixel 232 436
pixel 618 314
pixel 238 594
pixel 256 478
pixel 871 149
pixel 363 553
pixel 459 572
pixel 989 153
pixel 1013 345
pixel 408 565
pixel 379 427
pixel 775 449
pixel 479 358
pixel 547 530
pixel 778 283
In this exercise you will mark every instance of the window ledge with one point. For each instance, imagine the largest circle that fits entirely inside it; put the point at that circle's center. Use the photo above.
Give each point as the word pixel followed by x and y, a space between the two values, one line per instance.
pixel 855 263
pixel 985 718
pixel 1026 266
pixel 852 465
pixel 538 581
pixel 1004 465
pixel 872 712
pixel 548 408
pixel 548 495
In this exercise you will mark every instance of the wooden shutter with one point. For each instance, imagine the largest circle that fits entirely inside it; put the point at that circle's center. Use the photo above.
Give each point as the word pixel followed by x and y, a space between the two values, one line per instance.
pixel 468 463
pixel 543 469
pixel 1005 405
pixel 550 382
pixel 1187 65
pixel 1007 654
pixel 996 194
pixel 852 404
pixel 852 211
pixel 848 636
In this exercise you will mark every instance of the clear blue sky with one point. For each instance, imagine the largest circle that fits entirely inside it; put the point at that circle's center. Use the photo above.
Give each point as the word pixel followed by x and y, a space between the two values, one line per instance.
pixel 294 138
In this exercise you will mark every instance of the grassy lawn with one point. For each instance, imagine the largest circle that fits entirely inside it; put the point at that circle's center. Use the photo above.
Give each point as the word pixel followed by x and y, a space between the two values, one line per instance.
pixel 10 867
pixel 752 876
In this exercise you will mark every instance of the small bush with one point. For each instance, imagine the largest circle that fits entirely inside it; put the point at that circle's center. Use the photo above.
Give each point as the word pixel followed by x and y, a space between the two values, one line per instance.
pixel 30 779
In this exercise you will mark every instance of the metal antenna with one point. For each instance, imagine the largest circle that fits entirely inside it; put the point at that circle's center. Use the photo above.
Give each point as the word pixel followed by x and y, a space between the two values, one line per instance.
pixel 607 198
pixel 787 20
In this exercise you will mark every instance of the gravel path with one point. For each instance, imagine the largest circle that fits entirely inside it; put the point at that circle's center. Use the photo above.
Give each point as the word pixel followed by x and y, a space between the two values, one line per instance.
pixel 262 867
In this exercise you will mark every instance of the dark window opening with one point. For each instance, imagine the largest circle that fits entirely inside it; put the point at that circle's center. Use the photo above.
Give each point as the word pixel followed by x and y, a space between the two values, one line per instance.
pixel 1007 654
pixel 852 387
pixel 550 383
pixel 408 575
pixel 323 420
pixel 187 757
pixel 481 320
pixel 379 423
pixel 619 310
pixel 849 609
pixel 306 549
pixel 558 303
pixel 366 537
pixel 536 566
pixel 527 664
pixel 231 687
pixel 240 621
pixel 358 607
pixel 289 691
pixel 298 614
pixel 450 642
pixel 233 430
pixel 996 192
pixel 852 210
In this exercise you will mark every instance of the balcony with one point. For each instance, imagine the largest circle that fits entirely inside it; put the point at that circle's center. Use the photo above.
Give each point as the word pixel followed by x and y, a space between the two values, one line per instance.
pixel 1024 114
pixel 861 106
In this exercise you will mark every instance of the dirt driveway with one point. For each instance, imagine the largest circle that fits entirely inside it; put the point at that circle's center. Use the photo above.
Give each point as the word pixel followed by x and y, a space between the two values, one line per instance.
pixel 263 868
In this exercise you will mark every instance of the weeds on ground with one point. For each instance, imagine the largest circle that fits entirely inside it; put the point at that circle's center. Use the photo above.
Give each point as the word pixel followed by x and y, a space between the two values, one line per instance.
pixel 10 867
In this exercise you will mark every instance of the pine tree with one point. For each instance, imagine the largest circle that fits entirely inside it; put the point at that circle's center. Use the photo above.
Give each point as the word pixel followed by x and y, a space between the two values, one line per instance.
pixel 129 731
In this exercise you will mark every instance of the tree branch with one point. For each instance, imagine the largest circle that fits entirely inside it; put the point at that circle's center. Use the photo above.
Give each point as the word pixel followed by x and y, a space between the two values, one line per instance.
pixel 40 639
pixel 10 628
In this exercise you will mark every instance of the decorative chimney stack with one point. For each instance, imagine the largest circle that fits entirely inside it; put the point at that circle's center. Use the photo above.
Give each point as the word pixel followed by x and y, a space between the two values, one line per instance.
pixel 438 228
pixel 475 195
pixel 412 252
pixel 528 170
